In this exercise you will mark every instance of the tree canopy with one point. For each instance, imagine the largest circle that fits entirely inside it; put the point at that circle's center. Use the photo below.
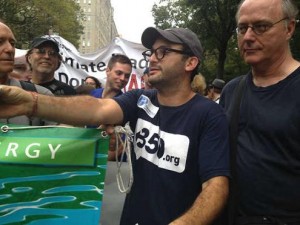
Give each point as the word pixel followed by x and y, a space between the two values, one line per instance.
pixel 31 18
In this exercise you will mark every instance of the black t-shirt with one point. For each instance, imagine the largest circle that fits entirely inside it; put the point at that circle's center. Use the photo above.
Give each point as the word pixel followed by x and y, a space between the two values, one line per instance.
pixel 59 88
pixel 176 149
pixel 268 154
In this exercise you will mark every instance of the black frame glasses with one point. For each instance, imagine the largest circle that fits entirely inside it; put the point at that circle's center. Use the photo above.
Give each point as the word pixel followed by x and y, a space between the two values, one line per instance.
pixel 160 52
pixel 258 28
pixel 42 51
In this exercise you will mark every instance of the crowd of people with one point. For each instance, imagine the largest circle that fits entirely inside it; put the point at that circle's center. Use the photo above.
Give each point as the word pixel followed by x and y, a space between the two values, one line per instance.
pixel 217 153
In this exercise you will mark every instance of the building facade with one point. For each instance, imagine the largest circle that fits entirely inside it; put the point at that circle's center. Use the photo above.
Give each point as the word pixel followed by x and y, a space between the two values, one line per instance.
pixel 98 23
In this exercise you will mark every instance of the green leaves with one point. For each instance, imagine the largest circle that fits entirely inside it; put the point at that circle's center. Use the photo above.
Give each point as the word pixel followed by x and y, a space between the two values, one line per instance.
pixel 32 18
pixel 214 22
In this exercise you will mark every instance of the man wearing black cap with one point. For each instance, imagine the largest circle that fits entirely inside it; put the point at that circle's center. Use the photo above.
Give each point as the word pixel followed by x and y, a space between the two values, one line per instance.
pixel 217 87
pixel 180 152
pixel 44 59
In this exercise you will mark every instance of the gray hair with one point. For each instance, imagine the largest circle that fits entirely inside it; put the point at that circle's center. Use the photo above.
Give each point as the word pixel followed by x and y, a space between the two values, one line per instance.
pixel 289 9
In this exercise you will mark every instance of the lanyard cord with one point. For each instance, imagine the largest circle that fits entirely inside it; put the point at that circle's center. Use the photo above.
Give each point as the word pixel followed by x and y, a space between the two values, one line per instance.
pixel 126 150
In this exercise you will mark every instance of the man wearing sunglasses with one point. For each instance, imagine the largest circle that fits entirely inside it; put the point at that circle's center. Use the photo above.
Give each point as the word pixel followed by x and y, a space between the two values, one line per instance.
pixel 267 155
pixel 180 151
pixel 44 59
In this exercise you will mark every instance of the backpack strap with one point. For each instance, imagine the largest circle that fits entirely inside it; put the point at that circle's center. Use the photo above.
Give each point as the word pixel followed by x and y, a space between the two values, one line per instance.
pixel 234 117
pixel 28 86
pixel 55 86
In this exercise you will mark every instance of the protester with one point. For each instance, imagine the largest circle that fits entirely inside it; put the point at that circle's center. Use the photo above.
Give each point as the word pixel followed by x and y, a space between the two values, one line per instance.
pixel 7 53
pixel 267 152
pixel 145 83
pixel 209 92
pixel 93 81
pixel 44 59
pixel 21 70
pixel 118 72
pixel 217 87
pixel 180 148
pixel 199 84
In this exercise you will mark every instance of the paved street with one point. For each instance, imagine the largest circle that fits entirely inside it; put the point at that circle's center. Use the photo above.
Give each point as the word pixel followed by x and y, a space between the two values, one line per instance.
pixel 113 199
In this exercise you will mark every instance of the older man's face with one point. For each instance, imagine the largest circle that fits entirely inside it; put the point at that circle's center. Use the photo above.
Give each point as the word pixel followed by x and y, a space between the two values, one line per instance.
pixel 7 49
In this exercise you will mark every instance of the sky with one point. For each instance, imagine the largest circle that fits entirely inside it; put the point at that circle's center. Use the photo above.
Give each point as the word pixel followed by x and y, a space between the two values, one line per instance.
pixel 132 17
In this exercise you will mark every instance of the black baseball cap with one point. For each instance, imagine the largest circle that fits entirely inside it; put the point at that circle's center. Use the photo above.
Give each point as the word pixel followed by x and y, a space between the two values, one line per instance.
pixel 174 35
pixel 36 42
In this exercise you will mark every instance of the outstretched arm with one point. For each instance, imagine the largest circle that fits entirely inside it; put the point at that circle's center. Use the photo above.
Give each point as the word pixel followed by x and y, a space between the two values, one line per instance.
pixel 76 110
pixel 208 204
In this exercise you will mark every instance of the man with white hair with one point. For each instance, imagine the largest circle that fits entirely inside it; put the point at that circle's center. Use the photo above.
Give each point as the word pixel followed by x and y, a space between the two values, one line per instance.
pixel 267 118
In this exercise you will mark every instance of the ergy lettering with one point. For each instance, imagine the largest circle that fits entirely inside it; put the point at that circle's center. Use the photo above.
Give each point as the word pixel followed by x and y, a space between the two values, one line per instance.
pixel 30 151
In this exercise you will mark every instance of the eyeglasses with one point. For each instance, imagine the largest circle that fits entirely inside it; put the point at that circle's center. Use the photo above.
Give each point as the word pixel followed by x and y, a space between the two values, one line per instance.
pixel 42 51
pixel 161 52
pixel 258 29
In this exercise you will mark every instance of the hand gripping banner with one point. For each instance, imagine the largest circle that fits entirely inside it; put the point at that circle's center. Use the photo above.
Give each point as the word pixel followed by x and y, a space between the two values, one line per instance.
pixel 51 175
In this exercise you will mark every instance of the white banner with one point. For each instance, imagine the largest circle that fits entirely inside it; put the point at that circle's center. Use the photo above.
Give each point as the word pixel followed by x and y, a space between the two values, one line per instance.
pixel 75 66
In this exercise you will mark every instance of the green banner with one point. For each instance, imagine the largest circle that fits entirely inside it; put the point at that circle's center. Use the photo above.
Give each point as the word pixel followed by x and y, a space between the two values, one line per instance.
pixel 52 175
pixel 53 151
